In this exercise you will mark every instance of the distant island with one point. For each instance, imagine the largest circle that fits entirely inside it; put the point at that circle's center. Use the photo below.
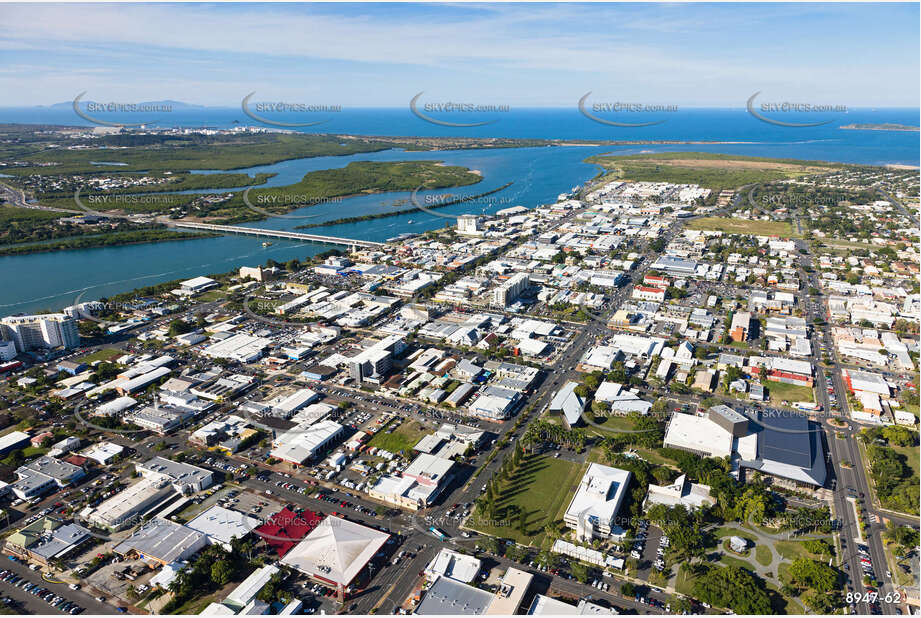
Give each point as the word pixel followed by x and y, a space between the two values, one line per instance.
pixel 888 126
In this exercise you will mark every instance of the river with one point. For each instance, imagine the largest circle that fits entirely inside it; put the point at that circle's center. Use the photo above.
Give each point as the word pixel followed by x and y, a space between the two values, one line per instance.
pixel 43 281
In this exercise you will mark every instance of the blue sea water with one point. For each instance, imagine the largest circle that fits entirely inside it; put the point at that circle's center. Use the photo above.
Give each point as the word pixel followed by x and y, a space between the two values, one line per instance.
pixel 538 175
pixel 827 142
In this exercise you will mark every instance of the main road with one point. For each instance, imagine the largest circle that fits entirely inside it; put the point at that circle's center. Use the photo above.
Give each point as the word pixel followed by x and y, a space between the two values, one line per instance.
pixel 846 449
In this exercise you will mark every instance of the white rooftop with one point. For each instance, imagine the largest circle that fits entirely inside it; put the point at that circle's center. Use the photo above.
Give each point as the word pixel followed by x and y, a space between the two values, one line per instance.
pixel 460 567
pixel 336 550
pixel 698 434
pixel 222 524
pixel 600 494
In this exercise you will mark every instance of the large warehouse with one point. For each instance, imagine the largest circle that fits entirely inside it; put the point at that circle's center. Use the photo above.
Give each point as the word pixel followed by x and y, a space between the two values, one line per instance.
pixel 305 442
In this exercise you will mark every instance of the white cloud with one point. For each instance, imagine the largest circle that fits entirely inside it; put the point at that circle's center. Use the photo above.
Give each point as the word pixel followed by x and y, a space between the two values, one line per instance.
pixel 533 54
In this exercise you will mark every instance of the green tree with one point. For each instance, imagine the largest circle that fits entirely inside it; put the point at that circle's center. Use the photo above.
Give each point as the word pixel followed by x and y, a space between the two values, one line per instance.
pixel 579 571
pixel 489 544
pixel 905 537
pixel 662 475
pixel 679 605
pixel 601 408
pixel 222 572
pixel 732 587
pixel 179 327
pixel 813 574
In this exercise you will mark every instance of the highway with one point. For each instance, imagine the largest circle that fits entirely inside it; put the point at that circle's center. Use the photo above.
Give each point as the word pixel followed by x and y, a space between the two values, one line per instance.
pixel 846 450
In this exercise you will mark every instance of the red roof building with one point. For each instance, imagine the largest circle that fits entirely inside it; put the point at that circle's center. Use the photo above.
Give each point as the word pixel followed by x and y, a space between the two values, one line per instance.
pixel 286 528
pixel 656 282
pixel 77 460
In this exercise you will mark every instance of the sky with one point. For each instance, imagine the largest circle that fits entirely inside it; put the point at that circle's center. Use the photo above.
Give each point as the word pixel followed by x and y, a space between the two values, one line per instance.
pixel 521 55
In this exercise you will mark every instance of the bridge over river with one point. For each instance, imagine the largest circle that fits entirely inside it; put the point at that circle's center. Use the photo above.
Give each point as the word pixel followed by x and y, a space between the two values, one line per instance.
pixel 352 243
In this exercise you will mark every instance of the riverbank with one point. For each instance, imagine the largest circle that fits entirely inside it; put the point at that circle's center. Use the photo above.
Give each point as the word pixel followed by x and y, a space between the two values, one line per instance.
pixel 403 211
pixel 116 239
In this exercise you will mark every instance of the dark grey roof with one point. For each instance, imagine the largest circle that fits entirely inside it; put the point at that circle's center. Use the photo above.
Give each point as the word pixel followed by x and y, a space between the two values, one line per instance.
pixel 790 446
pixel 793 443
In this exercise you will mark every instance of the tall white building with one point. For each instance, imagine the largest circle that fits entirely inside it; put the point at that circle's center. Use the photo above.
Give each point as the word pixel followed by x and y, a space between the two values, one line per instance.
pixel 509 291
pixel 594 507
pixel 468 224
pixel 51 330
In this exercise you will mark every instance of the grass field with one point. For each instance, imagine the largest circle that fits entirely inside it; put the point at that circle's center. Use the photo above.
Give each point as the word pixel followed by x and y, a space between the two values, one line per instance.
pixel 541 488
pixel 900 577
pixel 403 438
pixel 654 458
pixel 684 583
pixel 912 455
pixel 103 354
pixel 212 296
pixel 731 225
pixel 725 533
pixel 612 422
pixel 596 455
pixel 711 170
pixel 763 555
pixel 733 561
pixel 791 550
pixel 196 605
pixel 780 391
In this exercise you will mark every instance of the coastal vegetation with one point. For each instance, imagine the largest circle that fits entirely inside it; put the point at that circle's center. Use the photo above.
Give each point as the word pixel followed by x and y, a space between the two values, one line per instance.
pixel 711 170
pixel 113 239
pixel 886 126
pixel 356 178
pixel 160 152
pixel 169 152
pixel 318 187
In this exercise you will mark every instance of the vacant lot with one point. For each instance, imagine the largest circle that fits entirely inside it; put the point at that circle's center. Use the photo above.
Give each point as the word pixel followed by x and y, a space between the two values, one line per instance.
pixel 403 438
pixel 104 354
pixel 541 488
pixel 780 391
pixel 730 225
